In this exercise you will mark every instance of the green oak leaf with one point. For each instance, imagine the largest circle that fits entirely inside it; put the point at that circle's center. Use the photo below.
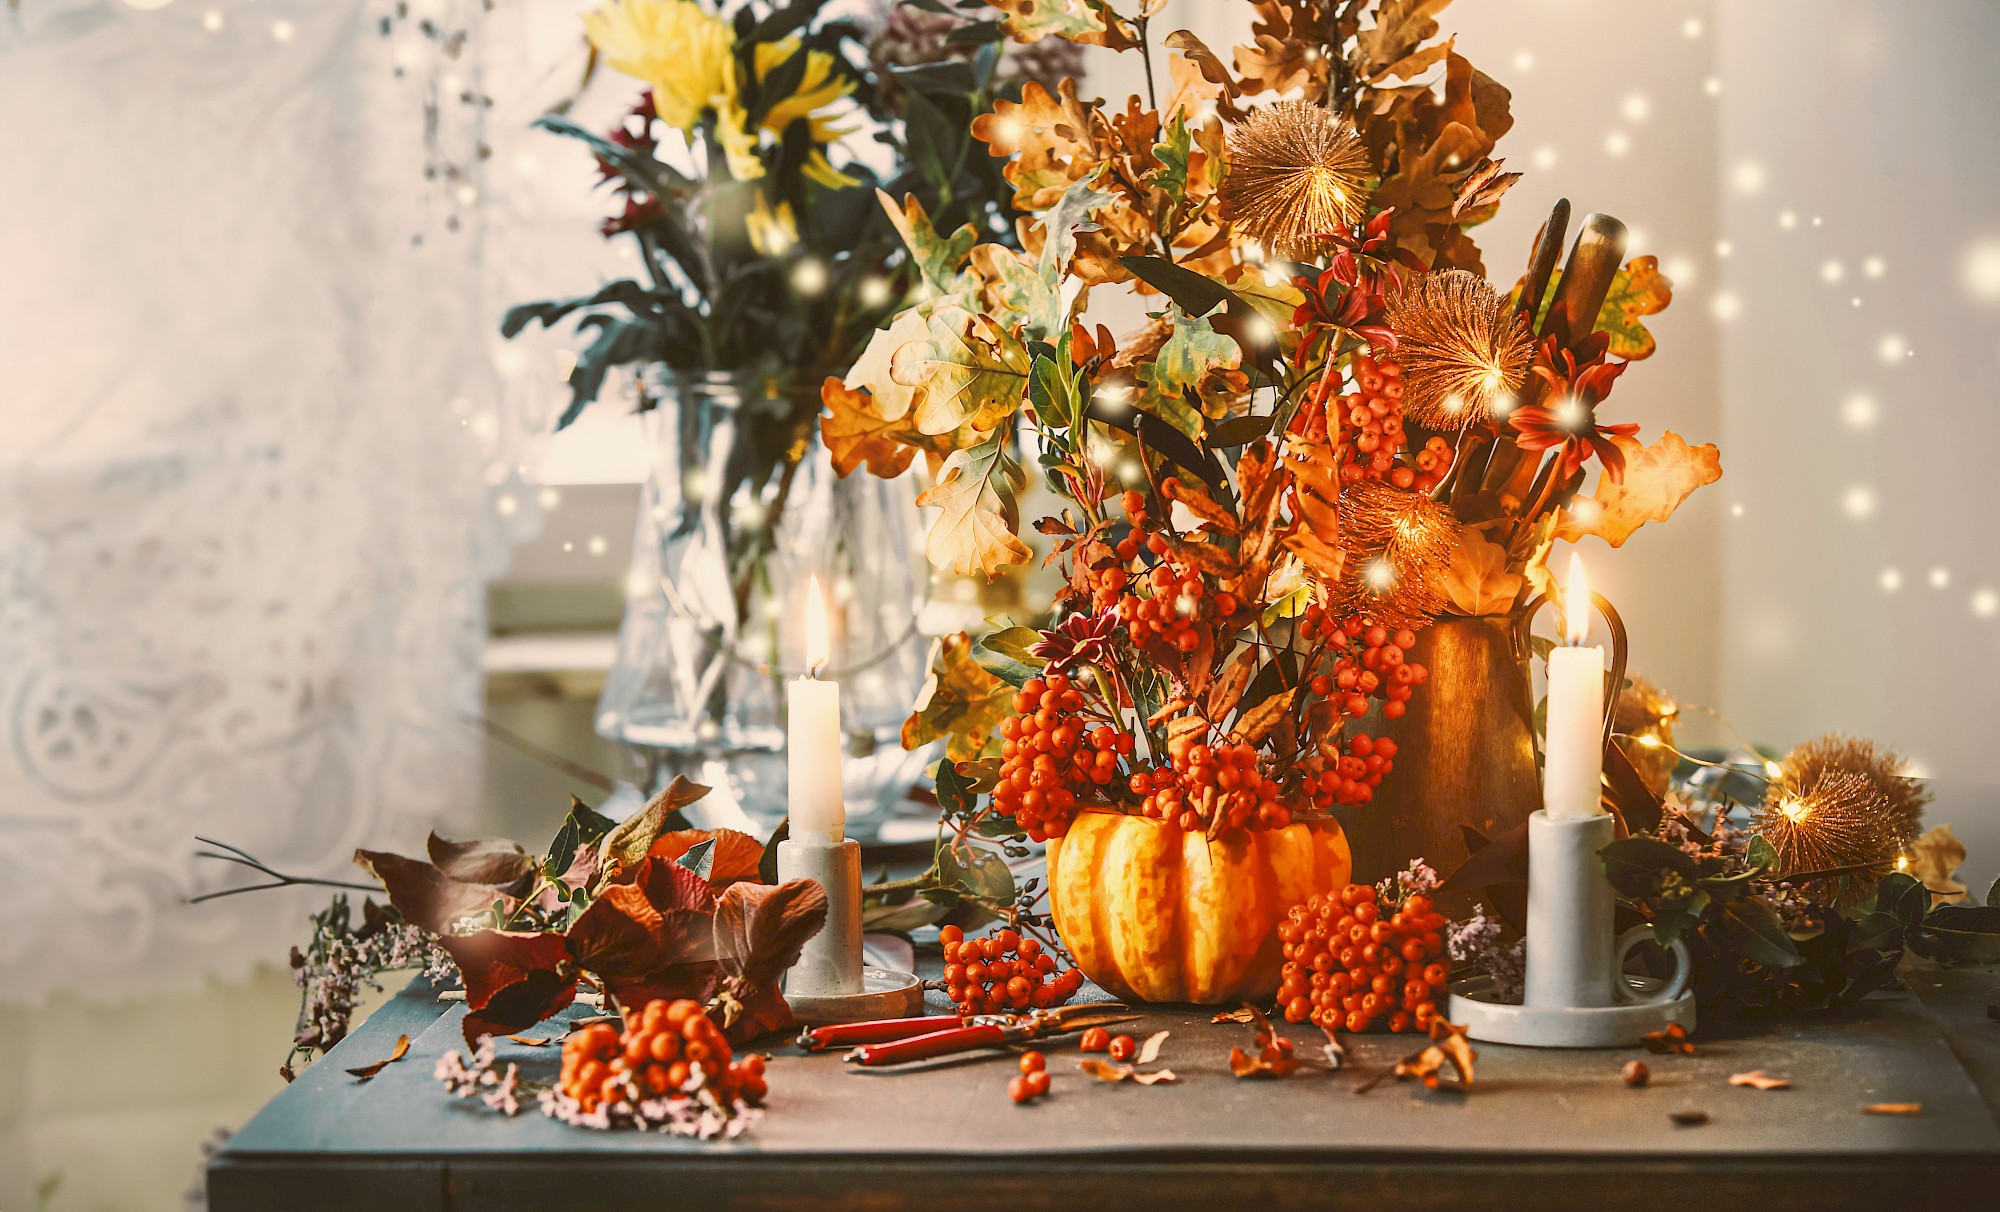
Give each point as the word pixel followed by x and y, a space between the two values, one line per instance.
pixel 967 369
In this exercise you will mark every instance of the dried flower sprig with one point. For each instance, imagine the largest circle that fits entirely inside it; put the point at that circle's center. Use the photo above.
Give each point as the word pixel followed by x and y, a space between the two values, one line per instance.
pixel 1297 175
pixel 1464 349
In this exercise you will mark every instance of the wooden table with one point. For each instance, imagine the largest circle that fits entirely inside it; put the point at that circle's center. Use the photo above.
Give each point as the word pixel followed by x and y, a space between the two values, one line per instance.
pixel 1540 1128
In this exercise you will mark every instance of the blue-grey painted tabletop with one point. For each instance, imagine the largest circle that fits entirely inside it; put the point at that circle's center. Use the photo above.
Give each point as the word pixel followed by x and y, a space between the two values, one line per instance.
pixel 1539 1128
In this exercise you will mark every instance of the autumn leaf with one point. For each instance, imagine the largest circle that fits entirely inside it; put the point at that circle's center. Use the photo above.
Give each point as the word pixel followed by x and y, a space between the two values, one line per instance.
pixel 1242 1014
pixel 1673 1038
pixel 532 1041
pixel 960 700
pixel 1760 1080
pixel 889 399
pixel 1017 293
pixel 1191 351
pixel 1483 189
pixel 1049 137
pixel 367 1071
pixel 1316 490
pixel 1448 1046
pixel 1638 289
pixel 966 370
pixel 1105 1071
pixel 759 932
pixel 855 433
pixel 734 858
pixel 1062 223
pixel 1256 724
pixel 1033 20
pixel 1273 1056
pixel 977 514
pixel 1935 859
pixel 426 896
pixel 512 980
pixel 1657 479
pixel 491 860
pixel 1401 27
pixel 1476 581
pixel 650 938
pixel 626 846
pixel 1892 1108
pixel 938 258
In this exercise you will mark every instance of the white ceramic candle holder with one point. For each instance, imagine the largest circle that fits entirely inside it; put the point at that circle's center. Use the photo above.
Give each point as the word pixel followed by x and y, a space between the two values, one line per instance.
pixel 830 983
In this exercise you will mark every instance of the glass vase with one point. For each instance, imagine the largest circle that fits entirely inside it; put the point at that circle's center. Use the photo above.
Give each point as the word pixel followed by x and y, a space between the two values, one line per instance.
pixel 740 510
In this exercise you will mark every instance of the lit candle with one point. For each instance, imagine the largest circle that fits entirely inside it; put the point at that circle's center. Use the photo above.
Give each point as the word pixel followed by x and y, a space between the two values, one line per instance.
pixel 1575 744
pixel 812 740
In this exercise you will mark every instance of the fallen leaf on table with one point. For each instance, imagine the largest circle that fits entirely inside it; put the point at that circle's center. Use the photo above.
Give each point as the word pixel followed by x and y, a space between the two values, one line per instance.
pixel 1105 1071
pixel 1274 1056
pixel 579 1024
pixel 286 1072
pixel 367 1071
pixel 530 1041
pixel 1150 1050
pixel 1239 1015
pixel 1935 859
pixel 1447 1044
pixel 1892 1109
pixel 1689 1119
pixel 1673 1039
pixel 1760 1079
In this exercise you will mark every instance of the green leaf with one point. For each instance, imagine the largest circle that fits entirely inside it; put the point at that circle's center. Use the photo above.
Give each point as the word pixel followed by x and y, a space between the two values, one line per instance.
pixel 1005 667
pixel 1761 854
pixel 1172 153
pixel 1966 933
pixel 699 858
pixel 1049 392
pixel 976 872
pixel 976 33
pixel 1728 887
pixel 1753 930
pixel 1016 642
pixel 584 826
pixel 1993 892
pixel 1905 896
pixel 939 259
pixel 954 791
pixel 1239 431
pixel 1004 827
pixel 1192 349
pixel 1878 931
pixel 1195 294
pixel 1634 865
pixel 1029 300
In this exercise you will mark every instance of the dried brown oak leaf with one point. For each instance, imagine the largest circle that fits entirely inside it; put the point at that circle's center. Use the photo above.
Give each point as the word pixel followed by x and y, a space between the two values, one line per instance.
pixel 1105 1071
pixel 1448 1044
pixel 1274 1056
pixel 367 1071
pixel 1758 1079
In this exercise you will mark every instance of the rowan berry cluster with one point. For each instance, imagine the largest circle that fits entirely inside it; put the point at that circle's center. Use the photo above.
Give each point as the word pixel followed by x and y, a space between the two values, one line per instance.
pixel 1347 967
pixel 1211 787
pixel 1051 751
pixel 667 1050
pixel 1370 422
pixel 1003 973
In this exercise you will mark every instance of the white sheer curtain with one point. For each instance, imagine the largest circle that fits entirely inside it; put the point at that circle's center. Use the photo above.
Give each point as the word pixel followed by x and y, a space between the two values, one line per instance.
pixel 249 447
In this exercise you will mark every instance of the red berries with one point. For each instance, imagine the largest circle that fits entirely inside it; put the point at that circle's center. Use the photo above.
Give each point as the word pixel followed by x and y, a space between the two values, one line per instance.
pixel 1003 973
pixel 1030 1085
pixel 1212 786
pixel 1095 1039
pixel 1122 1047
pixel 1052 752
pixel 1349 968
pixel 667 1050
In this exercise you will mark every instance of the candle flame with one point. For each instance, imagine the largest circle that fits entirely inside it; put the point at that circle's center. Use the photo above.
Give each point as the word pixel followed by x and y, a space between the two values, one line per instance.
pixel 1576 602
pixel 818 641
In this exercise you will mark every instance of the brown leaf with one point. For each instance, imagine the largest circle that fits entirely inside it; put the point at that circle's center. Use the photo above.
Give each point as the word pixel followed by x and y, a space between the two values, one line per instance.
pixel 759 931
pixel 1935 859
pixel 735 857
pixel 367 1071
pixel 1483 188
pixel 512 980
pixel 626 846
pixel 424 895
pixel 1448 1045
pixel 1760 1080
pixel 1657 479
pixel 1477 580
pixel 1892 1109
pixel 1257 723
pixel 1241 1014
pixel 1104 1071
pixel 1688 1119
pixel 856 433
pixel 488 860
pixel 1274 1056
pixel 1150 1050
pixel 1226 691
pixel 532 1041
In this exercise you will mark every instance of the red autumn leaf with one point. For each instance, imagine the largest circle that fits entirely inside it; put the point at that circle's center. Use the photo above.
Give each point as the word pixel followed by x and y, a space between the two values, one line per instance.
pixel 424 895
pixel 735 857
pixel 487 860
pixel 651 937
pixel 759 931
pixel 512 980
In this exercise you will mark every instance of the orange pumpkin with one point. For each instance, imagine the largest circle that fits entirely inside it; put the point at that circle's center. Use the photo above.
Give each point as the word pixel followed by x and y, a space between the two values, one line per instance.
pixel 1158 914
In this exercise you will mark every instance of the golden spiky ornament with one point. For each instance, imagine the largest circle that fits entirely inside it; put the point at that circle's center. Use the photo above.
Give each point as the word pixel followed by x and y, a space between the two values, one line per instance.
pixel 1839 819
pixel 1644 720
pixel 1464 350
pixel 1296 174
pixel 1398 545
pixel 1901 799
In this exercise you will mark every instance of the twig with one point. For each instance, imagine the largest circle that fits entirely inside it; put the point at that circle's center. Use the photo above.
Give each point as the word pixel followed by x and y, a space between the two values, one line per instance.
pixel 244 858
pixel 548 757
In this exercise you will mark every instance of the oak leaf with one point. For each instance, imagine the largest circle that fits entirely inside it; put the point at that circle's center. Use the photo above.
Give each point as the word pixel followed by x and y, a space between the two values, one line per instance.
pixel 967 370
pixel 977 513
pixel 1935 859
pixel 871 371
pixel 1657 479
pixel 938 258
pixel 961 701
pixel 856 434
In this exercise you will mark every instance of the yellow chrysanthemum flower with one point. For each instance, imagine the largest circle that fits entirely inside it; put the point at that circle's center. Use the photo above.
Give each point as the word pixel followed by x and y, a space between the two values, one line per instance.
pixel 773 232
pixel 818 168
pixel 739 142
pixel 817 87
pixel 680 48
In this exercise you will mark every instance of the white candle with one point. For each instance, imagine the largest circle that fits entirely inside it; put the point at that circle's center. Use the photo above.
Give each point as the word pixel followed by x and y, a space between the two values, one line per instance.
pixel 812 739
pixel 1575 743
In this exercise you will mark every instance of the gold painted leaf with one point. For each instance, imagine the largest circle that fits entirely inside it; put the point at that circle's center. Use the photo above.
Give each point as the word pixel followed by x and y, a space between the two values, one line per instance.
pixel 961 700
pixel 1657 479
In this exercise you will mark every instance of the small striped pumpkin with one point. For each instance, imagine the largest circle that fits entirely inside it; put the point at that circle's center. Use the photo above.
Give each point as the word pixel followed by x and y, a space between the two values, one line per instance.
pixel 1156 914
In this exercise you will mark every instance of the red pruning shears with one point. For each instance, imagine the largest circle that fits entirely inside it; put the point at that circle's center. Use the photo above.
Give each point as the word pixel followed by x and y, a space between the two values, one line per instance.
pixel 893 1041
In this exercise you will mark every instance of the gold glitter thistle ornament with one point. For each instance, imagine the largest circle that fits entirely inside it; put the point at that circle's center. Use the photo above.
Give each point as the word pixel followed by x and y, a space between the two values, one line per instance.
pixel 1295 175
pixel 1464 350
pixel 1901 799
pixel 1398 545
pixel 1837 820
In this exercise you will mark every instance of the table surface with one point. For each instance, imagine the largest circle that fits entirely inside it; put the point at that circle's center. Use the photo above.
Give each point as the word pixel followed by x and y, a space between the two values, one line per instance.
pixel 1555 1128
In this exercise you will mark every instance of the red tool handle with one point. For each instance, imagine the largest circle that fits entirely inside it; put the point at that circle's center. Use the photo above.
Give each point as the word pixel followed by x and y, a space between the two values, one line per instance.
pixel 937 1043
pixel 879 1031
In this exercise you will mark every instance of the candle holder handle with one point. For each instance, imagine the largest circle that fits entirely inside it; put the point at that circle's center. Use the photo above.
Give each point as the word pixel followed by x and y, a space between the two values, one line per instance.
pixel 1614 677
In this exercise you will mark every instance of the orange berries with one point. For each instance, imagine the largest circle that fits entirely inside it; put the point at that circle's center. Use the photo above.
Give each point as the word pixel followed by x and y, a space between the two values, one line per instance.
pixel 1393 980
pixel 1028 1086
pixel 1033 1062
pixel 1095 1039
pixel 1003 973
pixel 1122 1047
pixel 666 1047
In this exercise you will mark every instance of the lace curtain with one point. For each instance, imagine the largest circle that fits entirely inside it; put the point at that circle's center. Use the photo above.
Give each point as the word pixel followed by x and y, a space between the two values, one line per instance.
pixel 249 452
